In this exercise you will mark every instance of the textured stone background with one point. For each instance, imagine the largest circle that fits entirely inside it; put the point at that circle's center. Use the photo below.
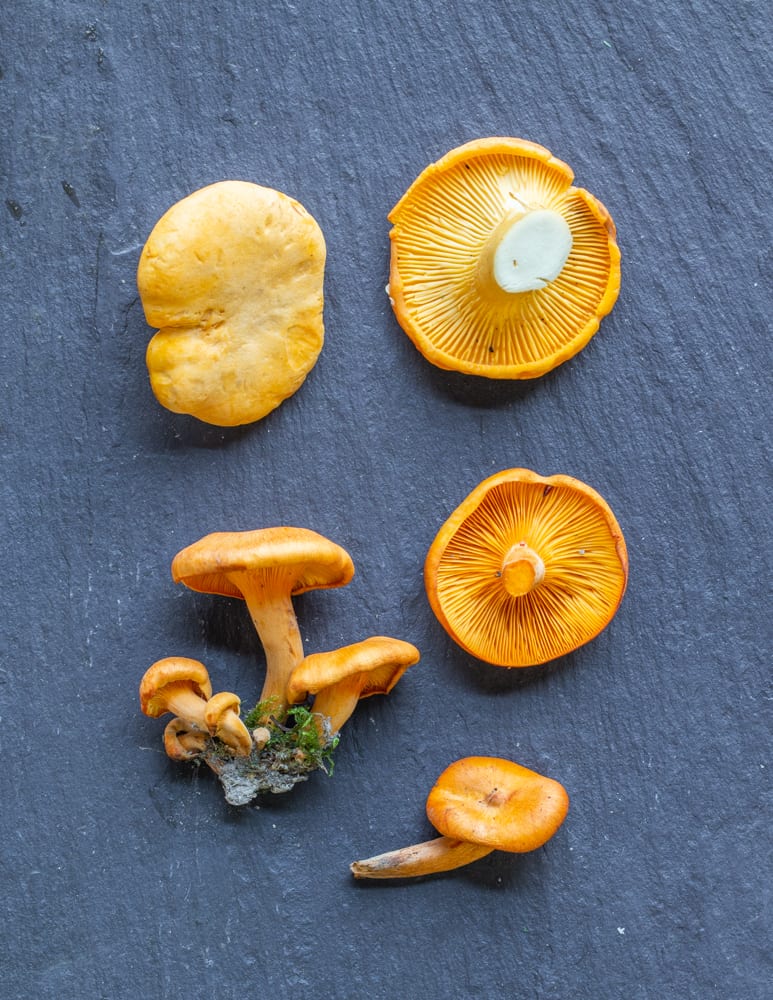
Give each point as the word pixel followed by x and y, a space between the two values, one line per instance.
pixel 125 875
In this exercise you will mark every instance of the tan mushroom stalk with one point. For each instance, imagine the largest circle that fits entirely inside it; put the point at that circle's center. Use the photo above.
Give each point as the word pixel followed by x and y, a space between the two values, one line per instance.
pixel 178 685
pixel 478 805
pixel 222 718
pixel 341 677
pixel 266 568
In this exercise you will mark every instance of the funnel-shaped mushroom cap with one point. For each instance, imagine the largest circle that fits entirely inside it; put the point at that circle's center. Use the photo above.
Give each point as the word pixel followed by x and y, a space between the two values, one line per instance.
pixel 374 666
pixel 293 559
pixel 233 277
pixel 486 800
pixel 527 568
pixel 172 673
pixel 500 267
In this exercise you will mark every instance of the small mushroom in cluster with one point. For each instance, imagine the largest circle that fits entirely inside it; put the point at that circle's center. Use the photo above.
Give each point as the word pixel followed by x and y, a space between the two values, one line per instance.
pixel 181 686
pixel 340 678
pixel 478 805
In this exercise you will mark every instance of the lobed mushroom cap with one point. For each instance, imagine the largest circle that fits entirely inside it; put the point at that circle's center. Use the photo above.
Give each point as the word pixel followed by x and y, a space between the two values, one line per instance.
pixel 441 227
pixel 498 803
pixel 585 568
pixel 232 276
pixel 295 559
pixel 378 663
pixel 172 670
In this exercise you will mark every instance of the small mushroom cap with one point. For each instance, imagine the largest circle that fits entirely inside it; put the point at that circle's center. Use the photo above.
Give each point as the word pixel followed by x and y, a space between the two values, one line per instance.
pixel 487 800
pixel 232 276
pixel 378 663
pixel 295 558
pixel 172 670
pixel 442 227
pixel 579 542
pixel 182 741
pixel 221 704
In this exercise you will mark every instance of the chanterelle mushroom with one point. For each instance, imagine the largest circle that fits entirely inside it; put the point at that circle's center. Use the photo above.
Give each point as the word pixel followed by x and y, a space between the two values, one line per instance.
pixel 222 718
pixel 478 805
pixel 527 568
pixel 178 685
pixel 341 677
pixel 233 277
pixel 499 266
pixel 266 568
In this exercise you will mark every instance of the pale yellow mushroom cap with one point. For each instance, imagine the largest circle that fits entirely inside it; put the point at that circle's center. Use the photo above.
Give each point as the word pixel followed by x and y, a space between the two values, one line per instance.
pixel 232 277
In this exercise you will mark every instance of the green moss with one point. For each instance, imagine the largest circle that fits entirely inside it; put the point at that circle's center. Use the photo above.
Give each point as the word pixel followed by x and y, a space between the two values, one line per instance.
pixel 297 735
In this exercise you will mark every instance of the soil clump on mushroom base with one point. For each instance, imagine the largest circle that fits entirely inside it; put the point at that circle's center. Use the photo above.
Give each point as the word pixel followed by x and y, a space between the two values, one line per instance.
pixel 293 750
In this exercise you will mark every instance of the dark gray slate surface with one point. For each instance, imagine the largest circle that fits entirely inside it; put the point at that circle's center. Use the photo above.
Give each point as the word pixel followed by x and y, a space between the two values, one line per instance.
pixel 125 875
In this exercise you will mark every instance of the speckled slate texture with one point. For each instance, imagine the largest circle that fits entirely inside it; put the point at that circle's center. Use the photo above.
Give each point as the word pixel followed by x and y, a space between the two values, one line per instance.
pixel 125 875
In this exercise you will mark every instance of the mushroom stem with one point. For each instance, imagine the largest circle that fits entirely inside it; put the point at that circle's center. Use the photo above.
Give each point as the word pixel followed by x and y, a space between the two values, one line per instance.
pixel 185 704
pixel 276 625
pixel 522 570
pixel 439 855
pixel 337 702
pixel 526 251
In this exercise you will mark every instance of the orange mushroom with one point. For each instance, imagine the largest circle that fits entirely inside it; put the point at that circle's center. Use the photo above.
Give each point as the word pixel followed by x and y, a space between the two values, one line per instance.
pixel 178 685
pixel 527 568
pixel 266 568
pixel 222 717
pixel 182 741
pixel 478 805
pixel 342 677
pixel 500 267
pixel 232 276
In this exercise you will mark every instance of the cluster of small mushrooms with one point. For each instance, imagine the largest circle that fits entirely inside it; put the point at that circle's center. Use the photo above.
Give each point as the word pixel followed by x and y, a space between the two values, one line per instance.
pixel 500 268
pixel 266 568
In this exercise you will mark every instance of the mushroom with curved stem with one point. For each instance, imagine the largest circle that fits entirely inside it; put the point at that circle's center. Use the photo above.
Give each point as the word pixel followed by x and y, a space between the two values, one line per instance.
pixel 178 685
pixel 183 741
pixel 222 718
pixel 527 568
pixel 478 805
pixel 266 568
pixel 341 677
pixel 500 267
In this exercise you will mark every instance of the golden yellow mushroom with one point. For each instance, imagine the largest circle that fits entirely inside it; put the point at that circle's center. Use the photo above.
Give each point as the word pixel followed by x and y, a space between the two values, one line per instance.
pixel 478 805
pixel 500 267
pixel 232 276
pixel 342 677
pixel 527 568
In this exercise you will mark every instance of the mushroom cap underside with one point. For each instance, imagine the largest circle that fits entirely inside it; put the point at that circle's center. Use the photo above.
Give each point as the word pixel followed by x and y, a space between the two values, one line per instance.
pixel 378 663
pixel 498 803
pixel 232 277
pixel 442 227
pixel 578 542
pixel 178 670
pixel 293 559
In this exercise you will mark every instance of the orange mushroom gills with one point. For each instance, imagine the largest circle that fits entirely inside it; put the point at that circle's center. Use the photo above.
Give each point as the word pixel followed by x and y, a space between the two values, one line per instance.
pixel 527 568
pixel 499 266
